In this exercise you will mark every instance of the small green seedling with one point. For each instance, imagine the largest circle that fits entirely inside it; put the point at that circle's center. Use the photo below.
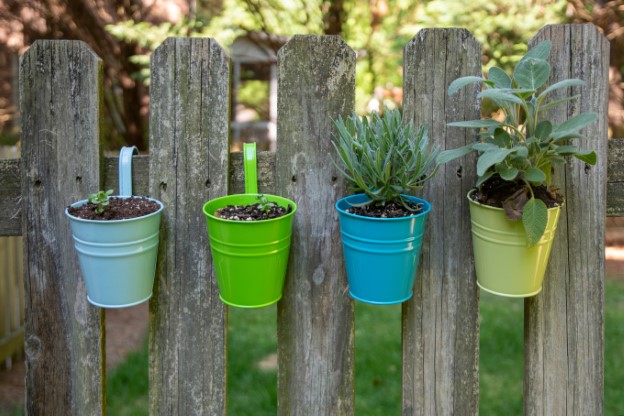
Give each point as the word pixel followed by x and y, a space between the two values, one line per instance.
pixel 264 204
pixel 100 199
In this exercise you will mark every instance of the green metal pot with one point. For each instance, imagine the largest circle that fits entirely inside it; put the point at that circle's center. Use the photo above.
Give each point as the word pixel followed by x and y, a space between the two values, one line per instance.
pixel 250 258
pixel 504 263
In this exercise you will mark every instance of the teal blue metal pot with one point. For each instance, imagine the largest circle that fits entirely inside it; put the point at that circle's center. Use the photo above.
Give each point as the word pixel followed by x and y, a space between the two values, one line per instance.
pixel 381 254
pixel 117 258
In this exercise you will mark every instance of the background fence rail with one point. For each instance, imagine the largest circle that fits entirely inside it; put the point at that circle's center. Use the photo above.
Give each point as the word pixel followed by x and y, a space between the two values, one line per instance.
pixel 11 287
pixel 60 84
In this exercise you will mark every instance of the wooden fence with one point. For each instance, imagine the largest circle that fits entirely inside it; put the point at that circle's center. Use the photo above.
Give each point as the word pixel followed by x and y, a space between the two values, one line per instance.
pixel 189 163
pixel 11 288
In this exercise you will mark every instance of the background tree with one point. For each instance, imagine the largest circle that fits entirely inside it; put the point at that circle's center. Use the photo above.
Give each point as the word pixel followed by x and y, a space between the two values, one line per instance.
pixel 609 17
pixel 24 21
pixel 125 32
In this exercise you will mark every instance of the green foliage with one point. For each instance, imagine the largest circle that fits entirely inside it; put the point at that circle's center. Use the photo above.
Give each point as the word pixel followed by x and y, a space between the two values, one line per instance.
pixel 383 156
pixel 525 146
pixel 378 33
pixel 100 199
pixel 503 27
pixel 264 204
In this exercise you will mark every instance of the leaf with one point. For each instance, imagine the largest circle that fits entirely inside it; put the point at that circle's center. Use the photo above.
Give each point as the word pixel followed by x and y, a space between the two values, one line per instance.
pixel 531 73
pixel 448 155
pixel 485 123
pixel 534 219
pixel 543 129
pixel 502 138
pixel 509 174
pixel 556 103
pixel 534 175
pixel 587 156
pixel 562 84
pixel 514 205
pixel 540 51
pixel 484 147
pixel 521 151
pixel 462 82
pixel 547 169
pixel 499 78
pixel 489 159
pixel 500 96
pixel 567 150
pixel 573 124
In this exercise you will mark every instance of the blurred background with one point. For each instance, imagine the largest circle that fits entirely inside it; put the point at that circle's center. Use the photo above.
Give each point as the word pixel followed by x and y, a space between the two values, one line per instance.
pixel 125 32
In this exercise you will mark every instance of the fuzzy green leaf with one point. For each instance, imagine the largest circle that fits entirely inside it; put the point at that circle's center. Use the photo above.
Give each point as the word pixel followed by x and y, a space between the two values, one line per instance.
pixel 534 219
pixel 534 175
pixel 587 156
pixel 490 158
pixel 556 103
pixel 484 147
pixel 562 84
pixel 540 51
pixel 499 78
pixel 573 124
pixel 485 123
pixel 531 73
pixel 448 155
pixel 502 138
pixel 508 174
pixel 543 129
pixel 547 169
pixel 500 96
pixel 460 83
pixel 567 150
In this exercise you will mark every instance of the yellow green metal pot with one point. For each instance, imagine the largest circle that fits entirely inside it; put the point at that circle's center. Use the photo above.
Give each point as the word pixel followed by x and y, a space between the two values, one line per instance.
pixel 504 263
pixel 250 257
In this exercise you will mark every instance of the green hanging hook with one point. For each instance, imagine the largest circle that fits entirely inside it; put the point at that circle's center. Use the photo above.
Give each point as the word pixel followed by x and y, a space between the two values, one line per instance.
pixel 250 168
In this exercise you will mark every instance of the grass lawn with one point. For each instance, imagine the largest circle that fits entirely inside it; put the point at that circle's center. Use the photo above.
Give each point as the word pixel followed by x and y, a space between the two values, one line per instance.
pixel 252 378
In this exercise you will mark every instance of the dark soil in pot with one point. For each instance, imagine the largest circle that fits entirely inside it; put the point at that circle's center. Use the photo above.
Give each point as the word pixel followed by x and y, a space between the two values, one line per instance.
pixel 117 209
pixel 495 191
pixel 251 212
pixel 390 210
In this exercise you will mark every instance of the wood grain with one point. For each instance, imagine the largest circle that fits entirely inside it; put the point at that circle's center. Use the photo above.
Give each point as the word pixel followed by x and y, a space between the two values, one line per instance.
pixel 316 76
pixel 564 324
pixel 188 164
pixel 441 321
pixel 60 89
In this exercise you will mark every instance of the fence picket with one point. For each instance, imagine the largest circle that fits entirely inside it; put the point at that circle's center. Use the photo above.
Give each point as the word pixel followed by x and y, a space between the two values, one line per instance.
pixel 441 321
pixel 316 78
pixel 60 89
pixel 564 325
pixel 189 122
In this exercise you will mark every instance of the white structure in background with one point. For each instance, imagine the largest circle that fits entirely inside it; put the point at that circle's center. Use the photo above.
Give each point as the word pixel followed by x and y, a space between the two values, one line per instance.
pixel 254 57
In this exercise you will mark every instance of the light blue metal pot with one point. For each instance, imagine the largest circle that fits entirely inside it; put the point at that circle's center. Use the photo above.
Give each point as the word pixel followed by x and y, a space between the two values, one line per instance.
pixel 118 258
pixel 381 254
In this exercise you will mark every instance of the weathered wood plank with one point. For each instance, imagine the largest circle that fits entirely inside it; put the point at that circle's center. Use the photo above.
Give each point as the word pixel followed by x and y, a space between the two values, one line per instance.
pixel 564 325
pixel 441 321
pixel 10 197
pixel 316 76
pixel 615 178
pixel 60 89
pixel 188 165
